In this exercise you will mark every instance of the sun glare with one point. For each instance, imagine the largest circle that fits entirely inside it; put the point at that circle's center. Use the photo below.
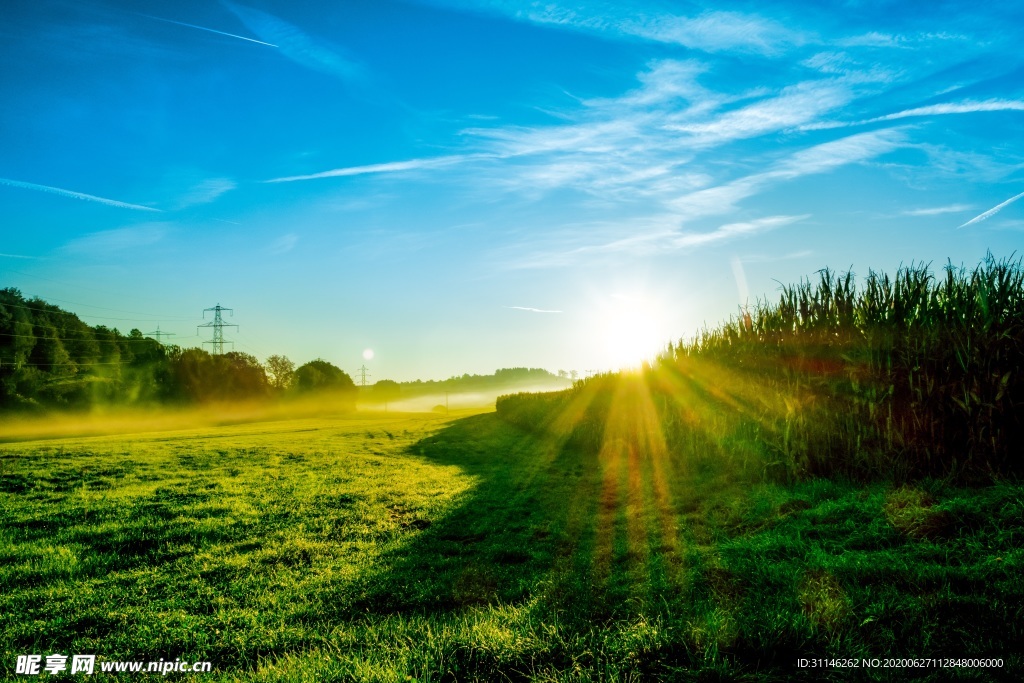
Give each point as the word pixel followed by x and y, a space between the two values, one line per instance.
pixel 368 354
pixel 631 335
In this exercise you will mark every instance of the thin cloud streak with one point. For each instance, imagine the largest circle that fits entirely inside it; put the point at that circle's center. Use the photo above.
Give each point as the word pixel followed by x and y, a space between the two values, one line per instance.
pixel 733 230
pixel 76 195
pixel 211 30
pixel 389 167
pixel 531 310
pixel 658 239
pixel 297 45
pixel 821 158
pixel 992 212
pixel 938 210
pixel 967 107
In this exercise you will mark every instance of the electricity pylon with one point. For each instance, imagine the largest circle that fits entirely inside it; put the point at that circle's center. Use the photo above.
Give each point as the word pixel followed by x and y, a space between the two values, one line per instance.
pixel 159 334
pixel 218 326
pixel 363 374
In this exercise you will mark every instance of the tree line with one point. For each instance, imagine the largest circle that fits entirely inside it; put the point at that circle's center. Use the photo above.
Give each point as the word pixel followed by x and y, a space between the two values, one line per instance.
pixel 503 379
pixel 49 358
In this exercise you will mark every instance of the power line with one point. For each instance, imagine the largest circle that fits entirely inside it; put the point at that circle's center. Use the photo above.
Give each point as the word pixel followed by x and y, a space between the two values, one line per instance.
pixel 159 334
pixel 118 310
pixel 218 326
pixel 117 340
pixel 76 285
pixel 78 365
pixel 249 346
pixel 68 312
pixel 102 308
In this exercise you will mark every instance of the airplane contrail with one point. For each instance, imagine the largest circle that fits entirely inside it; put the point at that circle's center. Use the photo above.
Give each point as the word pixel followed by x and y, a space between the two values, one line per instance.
pixel 76 195
pixel 211 30
pixel 993 211
pixel 531 310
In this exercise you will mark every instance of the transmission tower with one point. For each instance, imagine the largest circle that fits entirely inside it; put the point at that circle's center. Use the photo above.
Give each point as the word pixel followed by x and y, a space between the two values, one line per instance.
pixel 218 326
pixel 159 334
pixel 363 374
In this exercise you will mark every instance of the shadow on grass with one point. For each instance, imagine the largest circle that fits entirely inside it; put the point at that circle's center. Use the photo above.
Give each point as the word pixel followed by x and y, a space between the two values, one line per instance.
pixel 646 573
pixel 531 508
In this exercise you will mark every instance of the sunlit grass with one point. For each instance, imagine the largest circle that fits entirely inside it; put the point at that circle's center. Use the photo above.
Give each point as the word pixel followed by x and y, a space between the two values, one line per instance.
pixel 414 547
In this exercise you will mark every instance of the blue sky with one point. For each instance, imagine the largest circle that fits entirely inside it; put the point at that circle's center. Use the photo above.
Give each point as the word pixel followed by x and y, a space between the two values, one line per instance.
pixel 462 186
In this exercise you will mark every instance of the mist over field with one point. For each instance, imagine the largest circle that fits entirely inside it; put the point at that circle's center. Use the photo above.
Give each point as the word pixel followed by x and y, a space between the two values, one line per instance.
pixel 124 420
pixel 459 400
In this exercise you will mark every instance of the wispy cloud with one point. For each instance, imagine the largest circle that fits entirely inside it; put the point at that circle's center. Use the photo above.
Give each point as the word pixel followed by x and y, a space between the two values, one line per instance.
pixel 654 144
pixel 206 191
pixel 639 145
pixel 852 68
pixel 814 160
pixel 710 31
pixel 390 167
pixel 75 195
pixel 660 232
pixel 531 310
pixel 284 243
pixel 296 44
pixel 649 236
pixel 18 256
pixel 643 144
pixel 993 211
pixel 793 106
pixel 898 40
pixel 938 210
pixel 733 230
pixel 107 242
pixel 211 30
pixel 966 107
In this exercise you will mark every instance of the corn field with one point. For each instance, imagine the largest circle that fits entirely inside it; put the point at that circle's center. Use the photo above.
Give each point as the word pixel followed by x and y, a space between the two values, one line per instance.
pixel 901 377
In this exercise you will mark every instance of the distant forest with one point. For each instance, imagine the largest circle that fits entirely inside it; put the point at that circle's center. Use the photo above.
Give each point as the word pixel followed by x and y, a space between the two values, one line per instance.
pixel 505 379
pixel 50 359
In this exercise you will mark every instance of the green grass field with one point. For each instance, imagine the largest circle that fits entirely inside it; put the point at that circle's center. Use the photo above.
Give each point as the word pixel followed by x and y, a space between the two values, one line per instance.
pixel 373 547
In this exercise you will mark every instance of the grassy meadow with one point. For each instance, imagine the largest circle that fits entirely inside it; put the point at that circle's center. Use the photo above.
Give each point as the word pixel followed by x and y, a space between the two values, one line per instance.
pixel 390 547
pixel 832 477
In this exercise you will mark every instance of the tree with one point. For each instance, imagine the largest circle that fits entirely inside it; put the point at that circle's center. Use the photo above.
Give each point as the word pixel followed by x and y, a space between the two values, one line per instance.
pixel 281 372
pixel 244 375
pixel 386 390
pixel 319 375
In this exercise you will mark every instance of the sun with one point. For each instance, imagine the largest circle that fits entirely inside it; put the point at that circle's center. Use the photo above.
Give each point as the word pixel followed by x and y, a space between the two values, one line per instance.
pixel 631 334
pixel 368 354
